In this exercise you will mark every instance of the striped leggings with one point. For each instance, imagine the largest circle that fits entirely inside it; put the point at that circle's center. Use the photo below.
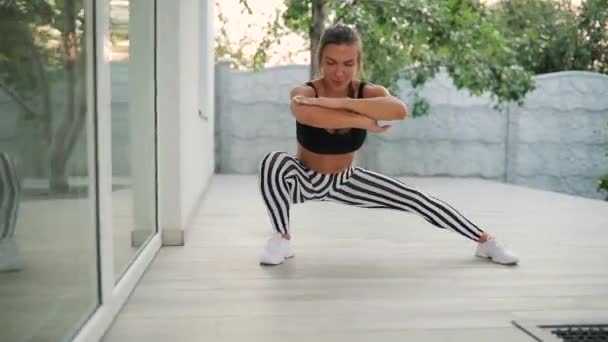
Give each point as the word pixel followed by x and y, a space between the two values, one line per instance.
pixel 10 191
pixel 284 180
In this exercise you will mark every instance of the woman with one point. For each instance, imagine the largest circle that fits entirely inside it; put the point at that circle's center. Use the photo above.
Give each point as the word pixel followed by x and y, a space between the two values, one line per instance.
pixel 333 114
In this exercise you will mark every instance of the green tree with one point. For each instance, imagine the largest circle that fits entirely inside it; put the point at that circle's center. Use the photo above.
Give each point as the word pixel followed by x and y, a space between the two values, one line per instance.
pixel 602 185
pixel 413 39
pixel 542 31
pixel 41 44
pixel 592 33
pixel 552 36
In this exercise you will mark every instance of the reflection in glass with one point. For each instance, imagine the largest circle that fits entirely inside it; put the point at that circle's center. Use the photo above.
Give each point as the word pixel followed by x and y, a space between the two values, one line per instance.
pixel 133 128
pixel 48 251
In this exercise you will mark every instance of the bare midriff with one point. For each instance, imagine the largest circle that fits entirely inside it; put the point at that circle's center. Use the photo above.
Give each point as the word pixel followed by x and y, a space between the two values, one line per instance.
pixel 325 163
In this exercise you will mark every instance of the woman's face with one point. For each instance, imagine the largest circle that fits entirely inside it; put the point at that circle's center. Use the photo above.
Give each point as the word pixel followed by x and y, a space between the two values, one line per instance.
pixel 339 64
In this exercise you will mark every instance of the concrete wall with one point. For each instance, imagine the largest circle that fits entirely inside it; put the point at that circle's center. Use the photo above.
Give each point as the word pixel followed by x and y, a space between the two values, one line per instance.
pixel 562 134
pixel 557 141
pixel 252 115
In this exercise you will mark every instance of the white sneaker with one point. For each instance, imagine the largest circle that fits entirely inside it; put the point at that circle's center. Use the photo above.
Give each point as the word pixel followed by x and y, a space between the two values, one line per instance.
pixel 276 251
pixel 496 252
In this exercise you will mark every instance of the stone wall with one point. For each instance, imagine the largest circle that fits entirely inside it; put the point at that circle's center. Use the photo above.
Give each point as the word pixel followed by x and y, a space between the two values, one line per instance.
pixel 557 141
pixel 562 134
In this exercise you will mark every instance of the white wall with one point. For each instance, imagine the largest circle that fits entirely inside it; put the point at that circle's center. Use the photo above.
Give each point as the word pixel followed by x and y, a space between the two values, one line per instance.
pixel 192 127
pixel 185 150
pixel 207 86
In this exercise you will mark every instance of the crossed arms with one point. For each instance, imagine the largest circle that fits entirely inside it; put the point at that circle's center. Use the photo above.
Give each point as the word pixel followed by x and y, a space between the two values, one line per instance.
pixel 337 113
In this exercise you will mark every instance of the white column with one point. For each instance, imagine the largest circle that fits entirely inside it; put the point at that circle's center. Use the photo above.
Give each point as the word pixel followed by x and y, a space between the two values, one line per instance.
pixel 168 110
pixel 207 84
pixel 185 111
pixel 141 118
pixel 192 133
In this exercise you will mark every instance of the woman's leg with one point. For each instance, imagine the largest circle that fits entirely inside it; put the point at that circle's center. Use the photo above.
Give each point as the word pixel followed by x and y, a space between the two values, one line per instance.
pixel 373 190
pixel 369 189
pixel 283 182
pixel 10 190
pixel 9 199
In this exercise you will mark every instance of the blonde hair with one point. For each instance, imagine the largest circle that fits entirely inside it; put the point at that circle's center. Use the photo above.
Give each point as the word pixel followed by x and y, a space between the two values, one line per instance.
pixel 341 34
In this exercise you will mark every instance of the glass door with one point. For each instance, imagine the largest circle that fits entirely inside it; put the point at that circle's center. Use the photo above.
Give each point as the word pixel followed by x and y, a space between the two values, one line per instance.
pixel 133 128
pixel 49 274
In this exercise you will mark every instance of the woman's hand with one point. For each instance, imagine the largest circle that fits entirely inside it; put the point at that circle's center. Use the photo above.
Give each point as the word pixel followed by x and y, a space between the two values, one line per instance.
pixel 327 102
pixel 304 100
pixel 373 126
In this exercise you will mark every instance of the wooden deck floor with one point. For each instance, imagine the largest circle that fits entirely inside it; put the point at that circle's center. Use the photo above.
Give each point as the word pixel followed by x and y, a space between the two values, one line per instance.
pixel 364 275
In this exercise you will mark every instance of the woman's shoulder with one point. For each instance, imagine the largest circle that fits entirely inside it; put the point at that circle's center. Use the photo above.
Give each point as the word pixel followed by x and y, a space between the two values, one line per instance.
pixel 303 89
pixel 369 89
pixel 314 83
pixel 310 88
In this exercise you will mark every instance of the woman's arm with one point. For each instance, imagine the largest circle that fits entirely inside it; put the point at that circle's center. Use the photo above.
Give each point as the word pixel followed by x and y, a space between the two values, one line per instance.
pixel 329 118
pixel 378 104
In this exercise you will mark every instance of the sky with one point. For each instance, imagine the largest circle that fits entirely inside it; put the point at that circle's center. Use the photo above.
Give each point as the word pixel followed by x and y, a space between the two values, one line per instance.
pixel 242 25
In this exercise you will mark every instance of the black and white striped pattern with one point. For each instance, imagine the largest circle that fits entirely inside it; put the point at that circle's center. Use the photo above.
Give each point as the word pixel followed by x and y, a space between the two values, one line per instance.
pixel 9 196
pixel 284 180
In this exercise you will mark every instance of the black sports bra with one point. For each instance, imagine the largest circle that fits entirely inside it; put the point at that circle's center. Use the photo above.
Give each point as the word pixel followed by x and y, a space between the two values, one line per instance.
pixel 319 140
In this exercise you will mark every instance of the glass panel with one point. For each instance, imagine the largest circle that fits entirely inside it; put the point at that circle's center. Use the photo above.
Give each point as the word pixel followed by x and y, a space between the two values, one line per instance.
pixel 48 249
pixel 133 128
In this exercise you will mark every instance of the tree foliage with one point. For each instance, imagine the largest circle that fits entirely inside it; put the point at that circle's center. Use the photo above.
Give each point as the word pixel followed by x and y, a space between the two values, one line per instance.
pixel 552 36
pixel 413 39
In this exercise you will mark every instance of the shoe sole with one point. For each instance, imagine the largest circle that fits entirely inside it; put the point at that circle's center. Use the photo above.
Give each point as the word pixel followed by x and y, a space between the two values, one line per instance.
pixel 264 263
pixel 496 262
